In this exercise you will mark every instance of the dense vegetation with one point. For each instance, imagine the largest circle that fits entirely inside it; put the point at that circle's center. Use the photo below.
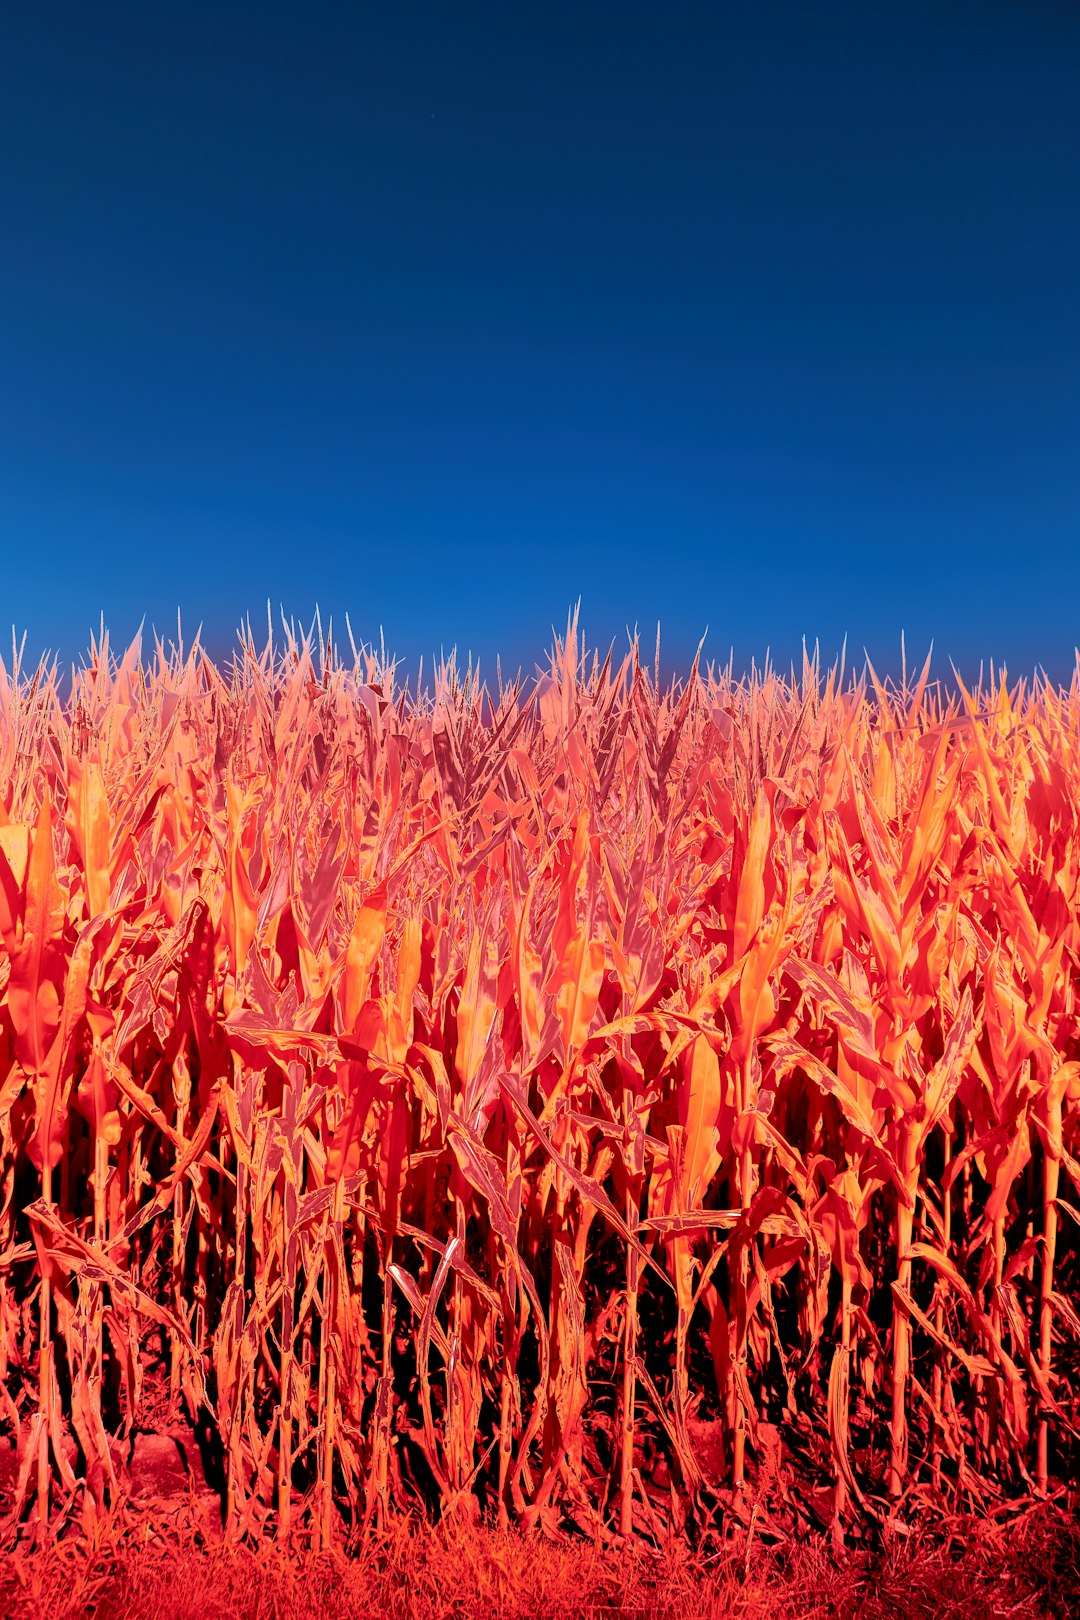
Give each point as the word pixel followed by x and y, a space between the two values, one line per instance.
pixel 617 1109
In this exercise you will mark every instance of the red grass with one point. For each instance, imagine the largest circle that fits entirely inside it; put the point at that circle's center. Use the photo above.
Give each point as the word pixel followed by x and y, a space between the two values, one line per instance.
pixel 1026 1568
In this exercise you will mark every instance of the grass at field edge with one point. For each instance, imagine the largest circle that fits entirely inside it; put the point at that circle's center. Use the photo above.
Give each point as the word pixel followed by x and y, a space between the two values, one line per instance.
pixel 1030 1568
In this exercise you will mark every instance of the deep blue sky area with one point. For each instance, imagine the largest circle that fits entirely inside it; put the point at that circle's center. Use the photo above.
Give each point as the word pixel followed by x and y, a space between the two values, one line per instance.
pixel 764 316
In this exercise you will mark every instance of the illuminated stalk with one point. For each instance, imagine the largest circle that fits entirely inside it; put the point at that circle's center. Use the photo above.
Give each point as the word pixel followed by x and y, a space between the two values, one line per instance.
pixel 629 1384
pixel 742 1282
pixel 285 1429
pixel 845 1348
pixel 382 1407
pixel 905 1215
pixel 505 1418
pixel 45 1375
pixel 1051 1172
pixel 939 1321
pixel 328 1376
pixel 510 1341
pixel 996 1321
pixel 233 1484
pixel 175 1347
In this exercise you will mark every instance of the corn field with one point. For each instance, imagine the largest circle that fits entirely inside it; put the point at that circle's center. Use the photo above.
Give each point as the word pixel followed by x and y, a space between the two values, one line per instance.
pixel 597 1107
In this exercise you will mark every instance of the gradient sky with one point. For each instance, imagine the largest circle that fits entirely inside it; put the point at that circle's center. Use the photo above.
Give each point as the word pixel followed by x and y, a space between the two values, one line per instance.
pixel 764 316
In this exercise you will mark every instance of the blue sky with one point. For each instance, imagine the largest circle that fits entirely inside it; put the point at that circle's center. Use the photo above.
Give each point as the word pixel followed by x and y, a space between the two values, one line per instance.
pixel 763 317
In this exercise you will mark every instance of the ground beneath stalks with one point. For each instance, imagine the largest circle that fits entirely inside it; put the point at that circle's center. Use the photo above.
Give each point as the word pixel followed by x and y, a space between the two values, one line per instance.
pixel 1030 1568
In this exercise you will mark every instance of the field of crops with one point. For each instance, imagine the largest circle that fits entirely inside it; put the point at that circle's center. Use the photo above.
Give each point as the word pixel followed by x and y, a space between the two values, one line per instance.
pixel 600 1108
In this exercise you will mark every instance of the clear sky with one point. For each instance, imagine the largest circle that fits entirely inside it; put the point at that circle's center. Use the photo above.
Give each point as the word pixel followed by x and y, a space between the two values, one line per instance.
pixel 761 315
